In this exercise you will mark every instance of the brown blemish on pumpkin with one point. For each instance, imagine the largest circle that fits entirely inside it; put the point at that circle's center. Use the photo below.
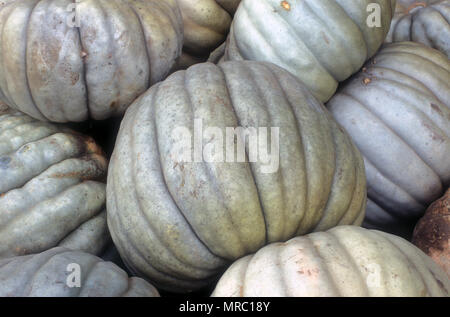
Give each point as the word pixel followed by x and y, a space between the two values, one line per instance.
pixel 436 108
pixel 325 38
pixel 434 135
pixel 44 59
pixel 70 175
pixel 309 272
pixel 92 147
pixel 367 81
pixel 74 77
pixel 20 251
pixel 286 5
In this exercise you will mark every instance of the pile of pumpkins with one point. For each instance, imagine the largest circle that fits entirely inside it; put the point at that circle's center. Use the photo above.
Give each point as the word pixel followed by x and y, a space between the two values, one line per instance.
pixel 355 96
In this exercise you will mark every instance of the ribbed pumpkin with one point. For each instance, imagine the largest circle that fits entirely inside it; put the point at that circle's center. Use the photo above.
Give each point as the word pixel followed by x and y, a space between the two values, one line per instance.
pixel 206 25
pixel 432 233
pixel 398 112
pixel 59 72
pixel 52 189
pixel 46 275
pixel 344 261
pixel 426 23
pixel 180 223
pixel 322 42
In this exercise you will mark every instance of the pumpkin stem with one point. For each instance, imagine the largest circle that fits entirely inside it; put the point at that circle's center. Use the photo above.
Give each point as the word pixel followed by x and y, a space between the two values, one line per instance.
pixel 415 5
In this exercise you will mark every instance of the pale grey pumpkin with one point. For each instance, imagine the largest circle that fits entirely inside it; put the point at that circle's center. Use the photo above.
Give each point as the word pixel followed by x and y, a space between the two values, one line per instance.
pixel 206 25
pixel 53 273
pixel 218 54
pixel 344 261
pixel 426 23
pixel 397 110
pixel 180 223
pixel 52 190
pixel 60 72
pixel 322 42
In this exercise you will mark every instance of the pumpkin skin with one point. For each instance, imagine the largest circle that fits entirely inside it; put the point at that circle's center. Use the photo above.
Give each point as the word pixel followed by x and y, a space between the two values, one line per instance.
pixel 206 25
pixel 296 35
pixel 55 72
pixel 217 56
pixel 344 261
pixel 52 190
pixel 179 224
pixel 45 275
pixel 404 89
pixel 432 233
pixel 424 23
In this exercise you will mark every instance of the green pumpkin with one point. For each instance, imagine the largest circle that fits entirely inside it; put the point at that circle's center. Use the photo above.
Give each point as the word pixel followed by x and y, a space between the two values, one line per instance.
pixel 52 190
pixel 53 273
pixel 397 110
pixel 344 261
pixel 322 42
pixel 180 223
pixel 57 71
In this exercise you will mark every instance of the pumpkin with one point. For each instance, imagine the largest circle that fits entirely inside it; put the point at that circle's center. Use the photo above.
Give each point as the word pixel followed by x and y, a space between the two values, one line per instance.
pixel 180 220
pixel 397 110
pixel 322 42
pixel 432 233
pixel 217 55
pixel 53 273
pixel 52 188
pixel 206 25
pixel 344 261
pixel 62 71
pixel 424 23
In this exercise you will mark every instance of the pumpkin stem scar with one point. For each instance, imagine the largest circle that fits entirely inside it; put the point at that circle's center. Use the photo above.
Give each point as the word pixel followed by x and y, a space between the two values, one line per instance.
pixel 286 5
pixel 415 5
